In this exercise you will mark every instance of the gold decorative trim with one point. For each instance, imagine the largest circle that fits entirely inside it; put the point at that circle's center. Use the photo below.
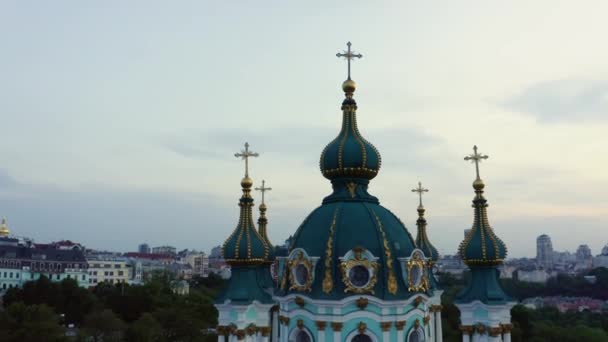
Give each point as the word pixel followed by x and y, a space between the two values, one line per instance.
pixel 359 260
pixel 400 325
pixel 417 262
pixel 362 327
pixel 321 325
pixel 495 331
pixel 352 187
pixel 328 283
pixel 265 331
pixel 386 326
pixel 336 326
pixel 293 263
pixel 362 303
pixel 300 324
pixel 392 280
pixel 299 301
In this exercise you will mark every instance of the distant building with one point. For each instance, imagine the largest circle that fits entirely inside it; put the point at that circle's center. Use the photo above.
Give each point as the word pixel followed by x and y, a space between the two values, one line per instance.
pixel 144 248
pixel 180 287
pixel 198 261
pixel 112 271
pixel 533 275
pixel 164 250
pixel 602 259
pixel 544 252
pixel 23 261
pixel 584 259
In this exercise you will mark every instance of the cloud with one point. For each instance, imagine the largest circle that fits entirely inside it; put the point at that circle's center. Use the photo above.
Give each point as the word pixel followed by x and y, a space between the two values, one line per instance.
pixel 567 100
pixel 107 217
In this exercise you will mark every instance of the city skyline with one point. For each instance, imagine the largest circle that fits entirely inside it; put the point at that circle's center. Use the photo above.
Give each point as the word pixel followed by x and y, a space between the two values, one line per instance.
pixel 120 124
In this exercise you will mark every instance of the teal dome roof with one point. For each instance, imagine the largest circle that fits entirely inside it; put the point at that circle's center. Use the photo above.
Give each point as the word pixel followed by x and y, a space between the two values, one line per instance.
pixel 422 240
pixel 338 226
pixel 349 154
pixel 262 225
pixel 481 246
pixel 245 244
pixel 350 220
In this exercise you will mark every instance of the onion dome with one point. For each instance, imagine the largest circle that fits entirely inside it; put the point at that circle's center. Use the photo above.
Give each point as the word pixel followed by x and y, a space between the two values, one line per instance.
pixel 349 154
pixel 481 246
pixel 245 244
pixel 350 227
pixel 4 231
pixel 263 221
pixel 422 240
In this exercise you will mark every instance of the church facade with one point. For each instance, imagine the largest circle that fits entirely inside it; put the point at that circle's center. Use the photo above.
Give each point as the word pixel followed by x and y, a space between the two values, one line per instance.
pixel 352 271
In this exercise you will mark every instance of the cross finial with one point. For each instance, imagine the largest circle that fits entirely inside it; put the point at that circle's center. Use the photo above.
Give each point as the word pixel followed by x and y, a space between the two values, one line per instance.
pixel 349 55
pixel 476 158
pixel 420 190
pixel 263 189
pixel 245 155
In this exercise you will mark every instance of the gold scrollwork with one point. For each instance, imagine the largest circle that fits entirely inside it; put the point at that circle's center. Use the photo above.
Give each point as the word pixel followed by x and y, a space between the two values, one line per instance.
pixel 293 264
pixel 421 282
pixel 359 260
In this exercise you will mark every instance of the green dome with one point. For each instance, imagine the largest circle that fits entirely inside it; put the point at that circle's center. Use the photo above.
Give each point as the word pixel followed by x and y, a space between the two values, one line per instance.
pixel 422 240
pixel 481 246
pixel 349 154
pixel 342 224
pixel 351 222
pixel 245 244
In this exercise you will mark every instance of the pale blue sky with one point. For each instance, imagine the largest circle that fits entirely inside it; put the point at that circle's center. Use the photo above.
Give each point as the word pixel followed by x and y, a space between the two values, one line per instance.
pixel 120 118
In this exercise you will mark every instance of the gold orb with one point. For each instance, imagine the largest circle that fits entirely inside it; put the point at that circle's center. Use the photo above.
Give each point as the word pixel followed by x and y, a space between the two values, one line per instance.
pixel 246 182
pixel 478 184
pixel 349 86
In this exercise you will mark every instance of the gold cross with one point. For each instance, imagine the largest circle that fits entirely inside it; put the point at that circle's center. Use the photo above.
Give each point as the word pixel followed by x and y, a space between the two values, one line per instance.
pixel 476 158
pixel 245 155
pixel 263 189
pixel 349 55
pixel 420 190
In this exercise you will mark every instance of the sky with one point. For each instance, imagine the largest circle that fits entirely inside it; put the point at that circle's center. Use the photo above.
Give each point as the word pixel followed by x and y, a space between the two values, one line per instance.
pixel 120 119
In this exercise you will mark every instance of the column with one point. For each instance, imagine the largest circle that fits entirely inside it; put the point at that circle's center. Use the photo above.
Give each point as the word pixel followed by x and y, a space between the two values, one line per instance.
pixel 386 330
pixel 506 332
pixel 275 326
pixel 284 328
pixel 264 334
pixel 467 331
pixel 438 327
pixel 400 325
pixel 432 317
pixel 337 328
pixel 321 328
pixel 221 333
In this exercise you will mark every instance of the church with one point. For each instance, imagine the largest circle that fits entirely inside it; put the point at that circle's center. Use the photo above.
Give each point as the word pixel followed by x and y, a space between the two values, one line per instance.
pixel 353 272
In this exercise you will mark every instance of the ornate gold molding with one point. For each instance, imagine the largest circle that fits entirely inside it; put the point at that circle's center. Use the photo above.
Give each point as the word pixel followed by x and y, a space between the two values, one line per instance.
pixel 300 324
pixel 362 327
pixel 265 331
pixel 416 262
pixel 386 326
pixel 321 325
pixel 300 259
pixel 495 331
pixel 400 325
pixel 359 260
pixel 328 283
pixel 336 326
pixel 299 301
pixel 362 303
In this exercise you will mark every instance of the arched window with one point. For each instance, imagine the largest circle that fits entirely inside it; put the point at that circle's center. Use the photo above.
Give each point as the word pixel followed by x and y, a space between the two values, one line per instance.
pixel 361 338
pixel 302 336
pixel 417 335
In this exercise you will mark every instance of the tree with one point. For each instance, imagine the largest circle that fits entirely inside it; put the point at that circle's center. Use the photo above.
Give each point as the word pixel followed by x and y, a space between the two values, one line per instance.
pixel 145 329
pixel 22 323
pixel 103 326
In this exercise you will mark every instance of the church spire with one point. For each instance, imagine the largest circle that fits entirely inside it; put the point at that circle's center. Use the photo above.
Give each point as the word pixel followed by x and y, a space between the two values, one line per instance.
pixel 422 240
pixel 245 244
pixel 349 156
pixel 481 246
pixel 263 220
